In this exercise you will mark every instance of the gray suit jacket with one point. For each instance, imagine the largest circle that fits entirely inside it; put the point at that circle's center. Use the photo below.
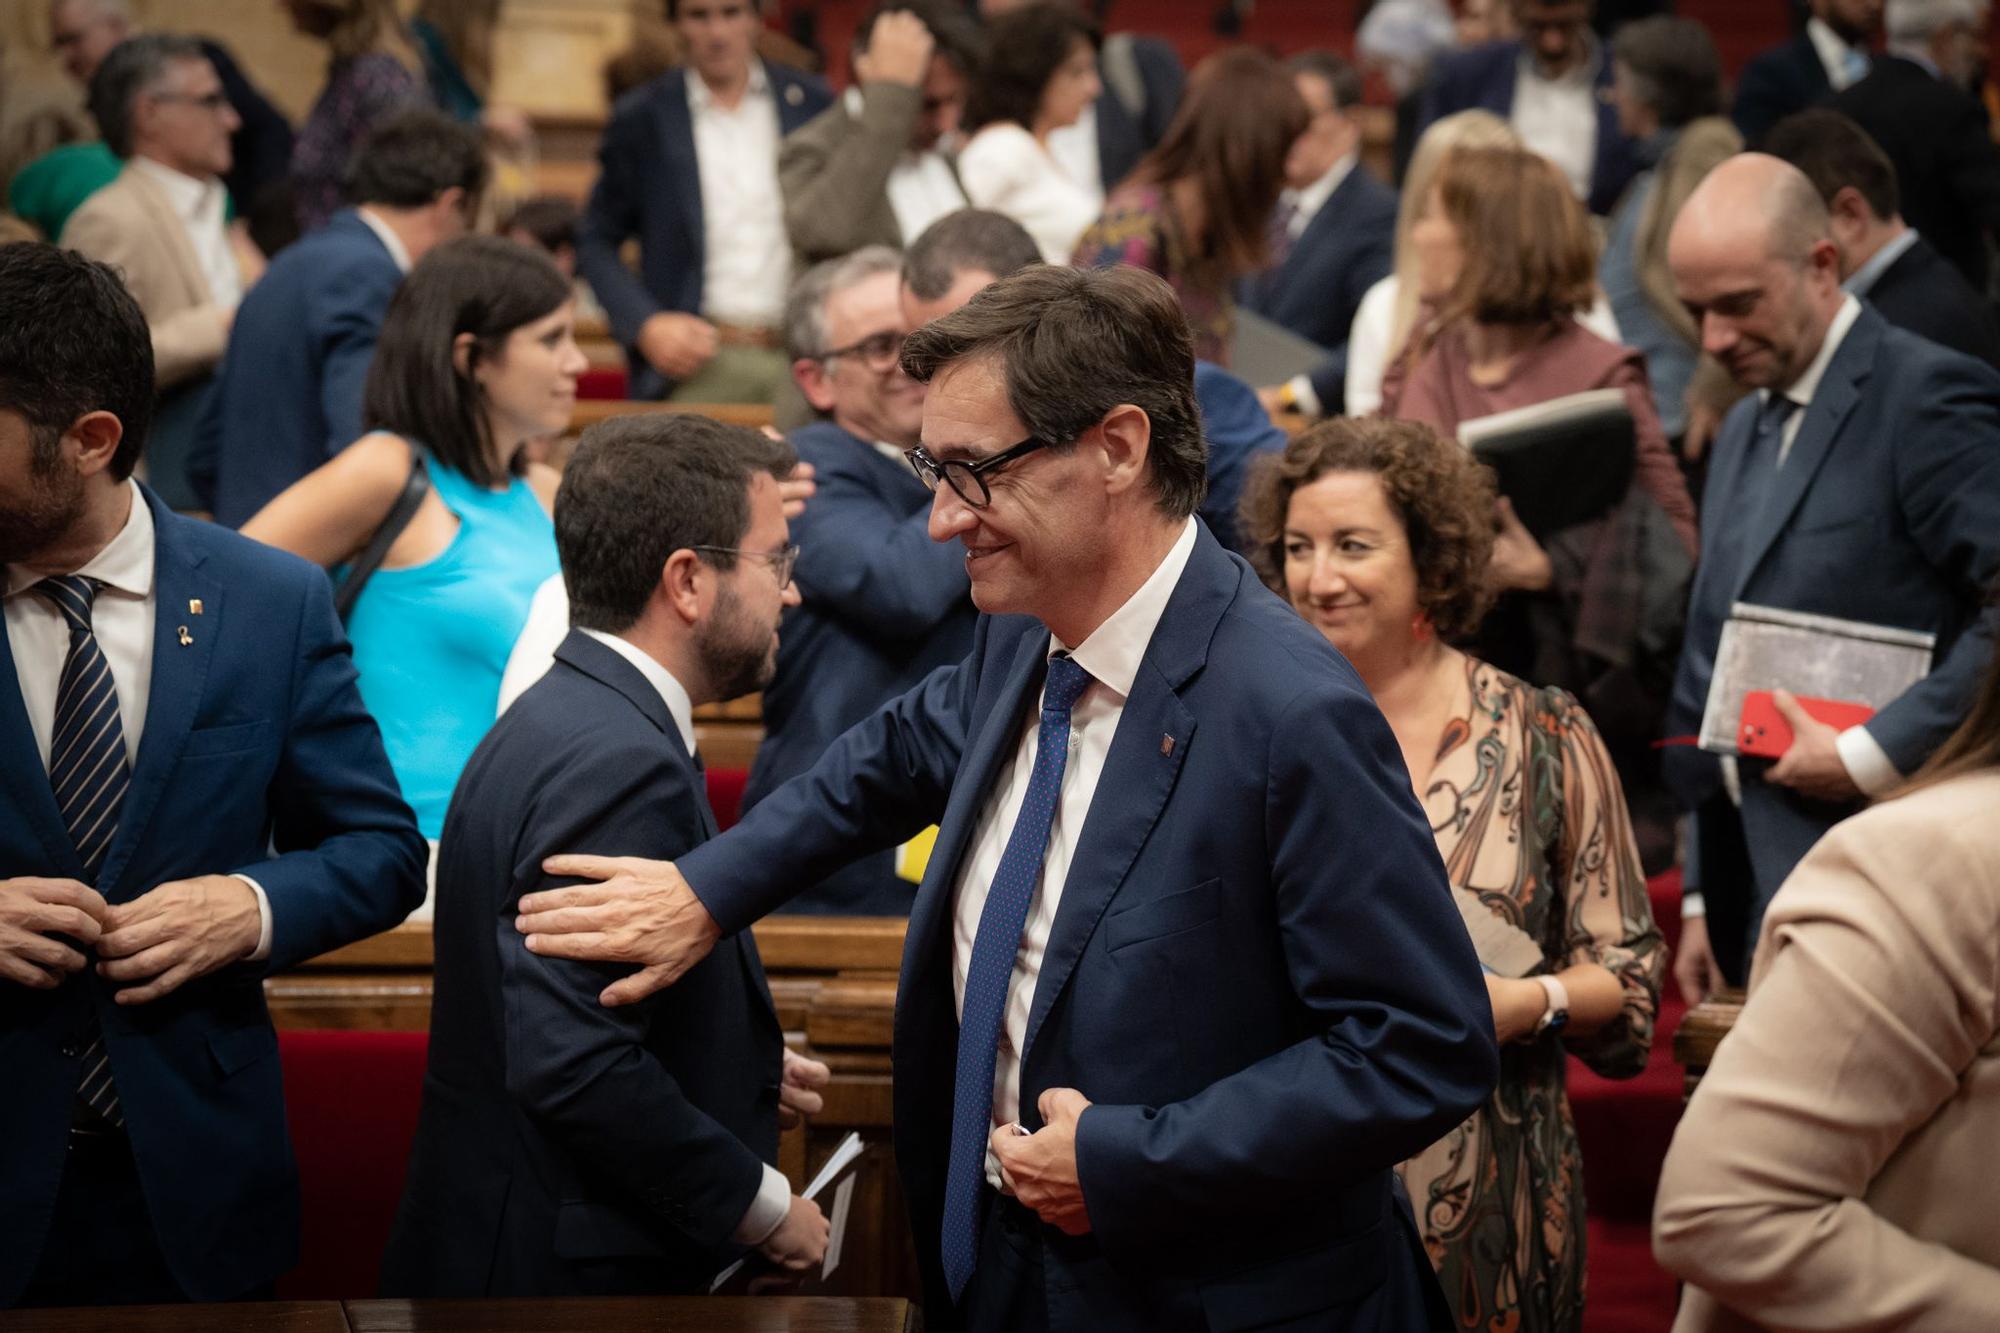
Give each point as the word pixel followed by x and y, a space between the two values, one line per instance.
pixel 834 171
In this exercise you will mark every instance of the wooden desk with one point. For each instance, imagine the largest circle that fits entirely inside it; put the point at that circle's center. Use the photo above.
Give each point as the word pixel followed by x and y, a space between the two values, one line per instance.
pixel 662 1314
pixel 246 1317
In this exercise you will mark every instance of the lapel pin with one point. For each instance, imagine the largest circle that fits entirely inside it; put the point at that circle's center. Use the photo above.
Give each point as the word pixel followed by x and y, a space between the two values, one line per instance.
pixel 1166 745
pixel 794 95
pixel 194 606
pixel 183 635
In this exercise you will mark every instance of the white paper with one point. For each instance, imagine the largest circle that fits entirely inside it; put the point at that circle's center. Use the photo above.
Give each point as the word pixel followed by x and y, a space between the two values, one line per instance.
pixel 842 1157
pixel 843 1198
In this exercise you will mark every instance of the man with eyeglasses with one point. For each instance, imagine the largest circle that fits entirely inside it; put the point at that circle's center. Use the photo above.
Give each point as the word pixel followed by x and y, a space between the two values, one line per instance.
pixel 567 1149
pixel 1184 980
pixel 161 223
pixel 883 605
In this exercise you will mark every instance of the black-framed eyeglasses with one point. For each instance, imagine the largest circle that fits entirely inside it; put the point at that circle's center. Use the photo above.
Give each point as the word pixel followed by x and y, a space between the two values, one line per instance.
pixel 968 479
pixel 879 351
pixel 781 562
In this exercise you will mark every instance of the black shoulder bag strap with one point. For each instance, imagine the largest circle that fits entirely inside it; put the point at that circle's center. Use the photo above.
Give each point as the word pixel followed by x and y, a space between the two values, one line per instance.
pixel 364 565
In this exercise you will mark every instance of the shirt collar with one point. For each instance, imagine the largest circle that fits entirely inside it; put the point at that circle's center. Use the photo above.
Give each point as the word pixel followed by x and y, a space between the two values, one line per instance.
pixel 1802 389
pixel 671 691
pixel 1863 279
pixel 1114 649
pixel 188 194
pixel 124 565
pixel 1831 50
pixel 387 235
pixel 1310 200
pixel 700 99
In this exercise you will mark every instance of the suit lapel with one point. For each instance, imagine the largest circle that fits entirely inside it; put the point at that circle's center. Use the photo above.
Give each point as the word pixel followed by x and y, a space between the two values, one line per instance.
pixel 677 143
pixel 25 779
pixel 1832 402
pixel 180 672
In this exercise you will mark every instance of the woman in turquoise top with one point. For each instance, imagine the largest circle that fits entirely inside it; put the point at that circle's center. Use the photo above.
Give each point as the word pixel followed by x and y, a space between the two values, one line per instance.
pixel 477 357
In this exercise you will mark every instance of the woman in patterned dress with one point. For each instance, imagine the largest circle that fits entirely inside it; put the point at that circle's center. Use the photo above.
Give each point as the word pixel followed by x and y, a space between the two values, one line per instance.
pixel 1382 534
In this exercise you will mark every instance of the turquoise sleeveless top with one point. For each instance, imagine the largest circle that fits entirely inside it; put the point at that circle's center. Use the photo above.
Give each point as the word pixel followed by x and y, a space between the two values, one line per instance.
pixel 430 641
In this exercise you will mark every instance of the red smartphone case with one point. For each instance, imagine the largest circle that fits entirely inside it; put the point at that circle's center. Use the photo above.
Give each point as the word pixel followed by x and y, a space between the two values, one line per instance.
pixel 1763 733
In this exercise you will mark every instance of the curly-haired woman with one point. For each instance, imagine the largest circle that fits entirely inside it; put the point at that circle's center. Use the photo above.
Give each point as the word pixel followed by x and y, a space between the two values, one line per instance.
pixel 1381 533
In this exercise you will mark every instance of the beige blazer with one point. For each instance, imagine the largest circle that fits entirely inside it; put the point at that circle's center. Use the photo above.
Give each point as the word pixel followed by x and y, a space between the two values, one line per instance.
pixel 1839 1167
pixel 834 171
pixel 130 225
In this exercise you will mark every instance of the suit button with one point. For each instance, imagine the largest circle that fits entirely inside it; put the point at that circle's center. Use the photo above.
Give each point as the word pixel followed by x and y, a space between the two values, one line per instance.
pixel 72 1049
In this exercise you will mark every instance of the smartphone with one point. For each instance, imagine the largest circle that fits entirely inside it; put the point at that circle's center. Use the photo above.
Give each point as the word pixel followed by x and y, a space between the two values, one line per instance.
pixel 1764 734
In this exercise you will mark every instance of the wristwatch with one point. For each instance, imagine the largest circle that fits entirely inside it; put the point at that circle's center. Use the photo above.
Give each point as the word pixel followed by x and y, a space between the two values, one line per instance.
pixel 1556 1016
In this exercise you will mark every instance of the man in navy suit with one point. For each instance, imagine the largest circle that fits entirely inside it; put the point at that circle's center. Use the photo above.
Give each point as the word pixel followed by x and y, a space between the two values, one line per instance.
pixel 882 604
pixel 1183 981
pixel 1862 481
pixel 1549 84
pixel 690 168
pixel 1335 236
pixel 194 798
pixel 1830 55
pixel 287 396
pixel 565 1148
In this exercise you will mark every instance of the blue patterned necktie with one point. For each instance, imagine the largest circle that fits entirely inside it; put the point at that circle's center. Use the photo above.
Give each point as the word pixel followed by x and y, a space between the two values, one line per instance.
pixel 89 773
pixel 994 950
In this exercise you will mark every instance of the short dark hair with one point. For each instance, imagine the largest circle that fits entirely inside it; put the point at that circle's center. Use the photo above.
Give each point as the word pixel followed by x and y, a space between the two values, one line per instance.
pixel 955 36
pixel 970 238
pixel 1443 495
pixel 1024 48
pixel 73 341
pixel 130 68
pixel 1834 153
pixel 414 156
pixel 1075 343
pixel 482 285
pixel 1340 76
pixel 1674 65
pixel 639 488
pixel 551 219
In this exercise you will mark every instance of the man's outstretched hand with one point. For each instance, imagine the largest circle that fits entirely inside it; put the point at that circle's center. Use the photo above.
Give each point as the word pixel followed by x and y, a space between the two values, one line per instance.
pixel 640 912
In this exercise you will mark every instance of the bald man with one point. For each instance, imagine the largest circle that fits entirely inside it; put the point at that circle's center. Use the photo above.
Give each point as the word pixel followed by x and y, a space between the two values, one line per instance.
pixel 1861 480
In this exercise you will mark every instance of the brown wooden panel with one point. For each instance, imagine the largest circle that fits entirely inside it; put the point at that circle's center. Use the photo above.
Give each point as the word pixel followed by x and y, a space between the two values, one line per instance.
pixel 1701 1031
pixel 747 708
pixel 590 411
pixel 405 946
pixel 728 744
pixel 665 1314
pixel 831 943
pixel 241 1317
pixel 853 1012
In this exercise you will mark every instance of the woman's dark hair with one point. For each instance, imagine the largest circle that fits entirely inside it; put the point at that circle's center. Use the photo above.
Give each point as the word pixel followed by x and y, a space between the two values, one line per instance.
pixel 1674 67
pixel 1443 495
pixel 1024 48
pixel 481 285
pixel 1235 126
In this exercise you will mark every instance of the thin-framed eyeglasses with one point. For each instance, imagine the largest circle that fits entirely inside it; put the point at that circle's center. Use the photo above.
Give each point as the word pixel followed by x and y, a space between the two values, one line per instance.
pixel 781 561
pixel 878 351
pixel 213 103
pixel 968 479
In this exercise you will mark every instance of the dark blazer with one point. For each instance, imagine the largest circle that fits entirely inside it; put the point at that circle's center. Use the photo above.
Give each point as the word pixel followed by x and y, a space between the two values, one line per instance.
pixel 1237 430
pixel 255 738
pixel 566 1148
pixel 288 393
pixel 1776 83
pixel 1887 510
pixel 261 149
pixel 1484 77
pixel 1347 247
pixel 1256 973
pixel 1947 168
pixel 882 607
pixel 1126 133
pixel 650 188
pixel 1923 293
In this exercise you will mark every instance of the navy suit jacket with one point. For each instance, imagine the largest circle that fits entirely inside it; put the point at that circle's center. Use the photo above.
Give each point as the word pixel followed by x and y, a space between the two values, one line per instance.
pixel 1484 77
pixel 1776 83
pixel 1887 510
pixel 1347 247
pixel 1256 972
pixel 882 606
pixel 1923 293
pixel 1124 137
pixel 650 188
pixel 1236 429
pixel 287 396
pixel 255 737
pixel 566 1148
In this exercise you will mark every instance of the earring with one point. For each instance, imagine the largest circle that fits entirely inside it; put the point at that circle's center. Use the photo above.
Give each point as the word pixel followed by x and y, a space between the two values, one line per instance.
pixel 1420 627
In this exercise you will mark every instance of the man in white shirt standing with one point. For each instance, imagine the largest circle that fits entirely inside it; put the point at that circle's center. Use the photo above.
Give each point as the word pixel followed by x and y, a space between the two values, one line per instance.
pixel 162 223
pixel 1184 980
pixel 690 169
pixel 1830 56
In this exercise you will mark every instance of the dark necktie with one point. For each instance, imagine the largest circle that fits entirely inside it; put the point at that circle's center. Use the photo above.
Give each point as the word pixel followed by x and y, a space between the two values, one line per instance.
pixel 1760 464
pixel 1279 239
pixel 994 949
pixel 89 774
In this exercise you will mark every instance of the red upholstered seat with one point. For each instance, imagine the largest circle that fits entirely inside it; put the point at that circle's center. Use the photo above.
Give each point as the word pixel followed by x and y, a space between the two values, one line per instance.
pixel 603 384
pixel 725 793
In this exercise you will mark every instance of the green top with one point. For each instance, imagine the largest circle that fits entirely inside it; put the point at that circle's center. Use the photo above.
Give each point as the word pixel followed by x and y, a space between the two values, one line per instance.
pixel 54 185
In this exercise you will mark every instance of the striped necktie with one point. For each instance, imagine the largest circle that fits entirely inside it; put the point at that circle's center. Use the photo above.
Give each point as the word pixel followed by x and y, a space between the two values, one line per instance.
pixel 89 773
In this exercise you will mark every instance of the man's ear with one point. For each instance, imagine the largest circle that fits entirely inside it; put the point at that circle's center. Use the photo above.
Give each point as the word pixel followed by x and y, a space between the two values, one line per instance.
pixel 814 382
pixel 1127 433
pixel 97 435
pixel 687 585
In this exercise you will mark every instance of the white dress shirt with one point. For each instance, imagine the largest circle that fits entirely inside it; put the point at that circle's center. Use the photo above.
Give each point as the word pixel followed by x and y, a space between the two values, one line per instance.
pixel 774 1193
pixel 922 186
pixel 1558 117
pixel 122 618
pixel 1074 147
pixel 198 206
pixel 746 253
pixel 1111 655
pixel 1004 169
pixel 1844 65
pixel 384 233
